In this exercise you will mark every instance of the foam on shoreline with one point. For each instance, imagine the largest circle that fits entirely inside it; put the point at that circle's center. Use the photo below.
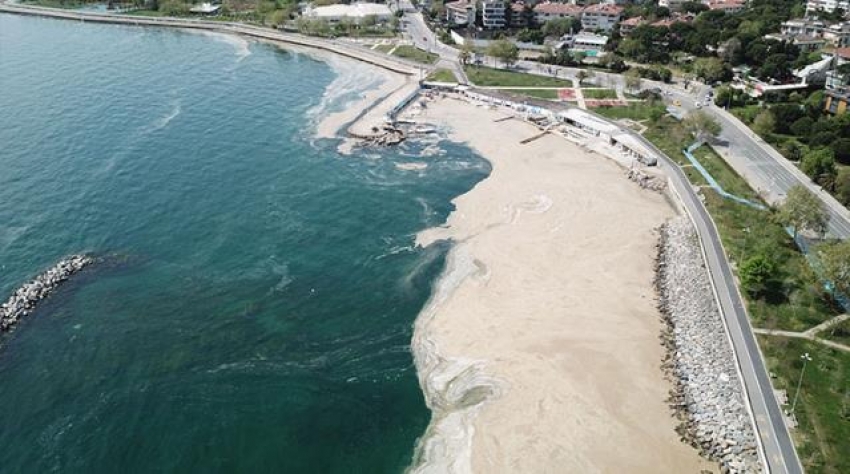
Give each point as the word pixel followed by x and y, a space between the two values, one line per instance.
pixel 455 388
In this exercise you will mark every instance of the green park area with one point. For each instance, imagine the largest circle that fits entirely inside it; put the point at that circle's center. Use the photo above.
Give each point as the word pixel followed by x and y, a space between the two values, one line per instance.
pixel 599 93
pixel 489 77
pixel 441 75
pixel 415 54
pixel 548 94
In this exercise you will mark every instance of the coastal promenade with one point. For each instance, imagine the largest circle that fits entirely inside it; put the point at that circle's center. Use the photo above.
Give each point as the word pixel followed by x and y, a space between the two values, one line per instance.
pixel 391 63
pixel 778 448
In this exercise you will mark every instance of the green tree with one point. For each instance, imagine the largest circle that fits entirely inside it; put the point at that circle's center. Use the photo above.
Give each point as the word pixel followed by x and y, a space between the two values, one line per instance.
pixel 758 274
pixel 835 263
pixel 842 186
pixel 765 123
pixel 802 127
pixel 710 69
pixel 841 147
pixel 819 164
pixel 558 27
pixel 701 126
pixel 505 51
pixel 803 211
pixel 632 80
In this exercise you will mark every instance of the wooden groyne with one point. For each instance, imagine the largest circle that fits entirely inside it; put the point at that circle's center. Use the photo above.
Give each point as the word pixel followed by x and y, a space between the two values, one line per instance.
pixel 351 51
pixel 25 299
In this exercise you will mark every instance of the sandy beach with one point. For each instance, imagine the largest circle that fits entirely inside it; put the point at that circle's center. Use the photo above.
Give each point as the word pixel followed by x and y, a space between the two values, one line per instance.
pixel 539 351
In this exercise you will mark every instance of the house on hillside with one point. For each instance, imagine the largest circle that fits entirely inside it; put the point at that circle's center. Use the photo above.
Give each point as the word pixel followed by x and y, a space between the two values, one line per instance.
pixel 493 14
pixel 461 12
pixel 546 11
pixel 601 16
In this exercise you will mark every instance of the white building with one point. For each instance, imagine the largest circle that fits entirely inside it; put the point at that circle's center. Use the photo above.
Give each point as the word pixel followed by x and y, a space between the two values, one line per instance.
pixel 802 26
pixel 727 6
pixel 460 13
pixel 827 5
pixel 355 12
pixel 673 5
pixel 493 13
pixel 585 42
pixel 838 35
pixel 601 16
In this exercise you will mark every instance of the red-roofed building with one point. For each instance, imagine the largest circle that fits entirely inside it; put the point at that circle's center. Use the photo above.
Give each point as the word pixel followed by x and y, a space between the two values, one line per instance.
pixel 601 16
pixel 544 12
pixel 626 26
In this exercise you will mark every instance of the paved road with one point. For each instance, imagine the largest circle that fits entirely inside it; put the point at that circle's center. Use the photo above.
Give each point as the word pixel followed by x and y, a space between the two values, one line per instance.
pixel 781 457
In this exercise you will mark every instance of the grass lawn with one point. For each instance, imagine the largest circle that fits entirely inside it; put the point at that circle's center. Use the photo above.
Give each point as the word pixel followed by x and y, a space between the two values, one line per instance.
pixel 385 48
pixel 415 54
pixel 487 77
pixel 634 111
pixel 441 75
pixel 549 94
pixel 823 408
pixel 599 93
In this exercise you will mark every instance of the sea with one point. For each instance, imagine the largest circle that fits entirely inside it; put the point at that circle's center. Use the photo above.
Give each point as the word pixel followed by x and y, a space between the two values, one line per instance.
pixel 253 303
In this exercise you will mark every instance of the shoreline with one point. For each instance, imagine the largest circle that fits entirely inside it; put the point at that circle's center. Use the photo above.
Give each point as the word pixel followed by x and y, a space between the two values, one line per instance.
pixel 360 116
pixel 528 363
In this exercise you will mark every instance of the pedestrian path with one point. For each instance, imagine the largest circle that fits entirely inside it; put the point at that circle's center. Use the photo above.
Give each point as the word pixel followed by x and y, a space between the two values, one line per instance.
pixel 810 333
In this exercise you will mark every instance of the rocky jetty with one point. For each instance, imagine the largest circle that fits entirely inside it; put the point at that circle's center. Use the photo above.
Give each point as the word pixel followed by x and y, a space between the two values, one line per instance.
pixel 24 300
pixel 708 395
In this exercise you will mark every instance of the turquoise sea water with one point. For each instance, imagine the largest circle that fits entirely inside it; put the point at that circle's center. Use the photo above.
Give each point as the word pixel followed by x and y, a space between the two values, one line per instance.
pixel 254 309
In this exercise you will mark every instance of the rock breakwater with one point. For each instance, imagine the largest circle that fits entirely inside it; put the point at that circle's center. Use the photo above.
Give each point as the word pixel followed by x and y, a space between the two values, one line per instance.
pixel 708 395
pixel 25 299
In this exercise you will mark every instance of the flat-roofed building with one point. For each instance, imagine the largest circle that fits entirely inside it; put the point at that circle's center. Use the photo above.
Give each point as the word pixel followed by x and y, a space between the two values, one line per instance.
pixel 461 12
pixel 493 14
pixel 355 12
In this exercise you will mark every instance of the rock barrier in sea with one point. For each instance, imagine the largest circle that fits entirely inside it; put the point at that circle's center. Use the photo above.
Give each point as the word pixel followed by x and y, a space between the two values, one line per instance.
pixel 708 395
pixel 25 299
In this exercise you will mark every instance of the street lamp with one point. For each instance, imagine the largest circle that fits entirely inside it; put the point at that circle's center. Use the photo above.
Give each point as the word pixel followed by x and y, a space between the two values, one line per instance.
pixel 805 357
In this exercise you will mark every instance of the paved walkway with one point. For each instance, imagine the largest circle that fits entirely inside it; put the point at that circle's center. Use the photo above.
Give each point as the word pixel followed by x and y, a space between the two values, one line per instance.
pixel 810 334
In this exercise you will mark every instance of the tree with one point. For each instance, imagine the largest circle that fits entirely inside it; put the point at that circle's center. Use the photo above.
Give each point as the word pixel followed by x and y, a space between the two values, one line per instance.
pixel 835 263
pixel 803 211
pixel 559 27
pixel 802 127
pixel 505 51
pixel 819 164
pixel 842 186
pixel 701 125
pixel 632 80
pixel 758 274
pixel 466 51
pixel 765 123
pixel 841 148
pixel 710 69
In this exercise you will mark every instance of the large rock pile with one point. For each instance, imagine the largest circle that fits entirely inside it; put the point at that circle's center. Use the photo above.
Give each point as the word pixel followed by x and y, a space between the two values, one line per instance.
pixel 23 301
pixel 708 395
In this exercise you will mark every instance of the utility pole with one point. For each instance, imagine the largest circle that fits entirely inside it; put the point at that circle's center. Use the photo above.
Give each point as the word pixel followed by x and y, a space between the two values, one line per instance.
pixel 805 357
